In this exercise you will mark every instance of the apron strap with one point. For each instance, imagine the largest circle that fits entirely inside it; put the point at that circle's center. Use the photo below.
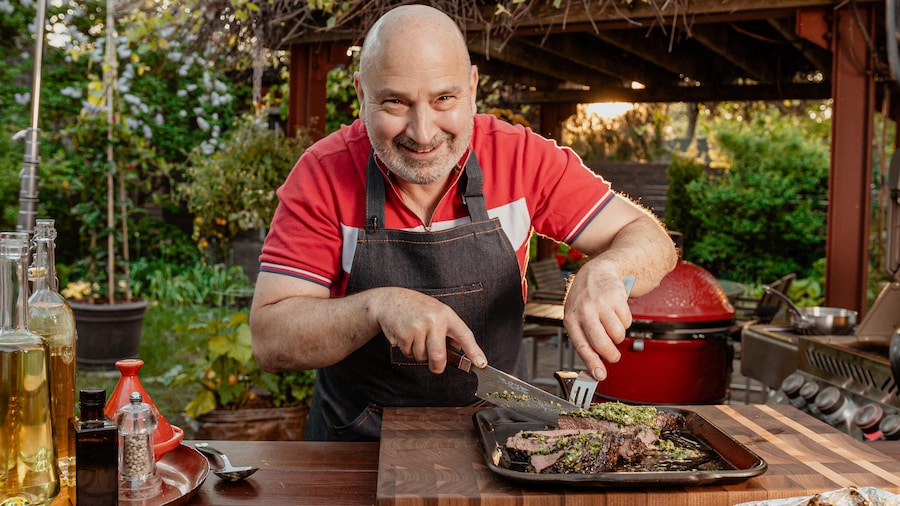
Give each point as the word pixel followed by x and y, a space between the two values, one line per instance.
pixel 472 194
pixel 374 195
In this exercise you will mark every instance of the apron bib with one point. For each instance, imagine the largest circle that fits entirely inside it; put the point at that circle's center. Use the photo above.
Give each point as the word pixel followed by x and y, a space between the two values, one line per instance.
pixel 472 268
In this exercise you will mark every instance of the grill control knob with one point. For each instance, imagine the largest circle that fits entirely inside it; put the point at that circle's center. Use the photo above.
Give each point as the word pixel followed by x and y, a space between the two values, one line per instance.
pixel 890 427
pixel 834 406
pixel 867 419
pixel 809 391
pixel 791 387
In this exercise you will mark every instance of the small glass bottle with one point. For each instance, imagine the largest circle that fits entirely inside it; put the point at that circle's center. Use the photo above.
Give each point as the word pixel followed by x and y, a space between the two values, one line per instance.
pixel 138 477
pixel 28 469
pixel 97 448
pixel 50 316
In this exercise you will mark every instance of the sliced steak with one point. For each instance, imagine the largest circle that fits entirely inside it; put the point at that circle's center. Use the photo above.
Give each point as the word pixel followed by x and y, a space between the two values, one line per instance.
pixel 643 423
pixel 536 441
pixel 571 451
pixel 669 421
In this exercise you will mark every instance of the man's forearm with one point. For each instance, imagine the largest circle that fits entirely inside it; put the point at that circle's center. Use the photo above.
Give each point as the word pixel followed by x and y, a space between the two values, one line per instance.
pixel 306 332
pixel 644 250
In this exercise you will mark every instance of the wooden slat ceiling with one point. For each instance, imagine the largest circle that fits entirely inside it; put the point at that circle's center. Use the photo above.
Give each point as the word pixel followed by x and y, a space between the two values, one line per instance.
pixel 716 50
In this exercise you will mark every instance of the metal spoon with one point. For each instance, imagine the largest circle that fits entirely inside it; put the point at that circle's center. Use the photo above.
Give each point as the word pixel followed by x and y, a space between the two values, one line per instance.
pixel 227 472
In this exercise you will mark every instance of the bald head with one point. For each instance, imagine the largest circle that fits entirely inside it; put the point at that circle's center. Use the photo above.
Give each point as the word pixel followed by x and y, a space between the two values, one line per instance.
pixel 416 88
pixel 421 27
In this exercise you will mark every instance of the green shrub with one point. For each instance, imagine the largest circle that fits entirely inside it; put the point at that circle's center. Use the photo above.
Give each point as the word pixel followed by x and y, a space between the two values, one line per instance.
pixel 233 189
pixel 195 285
pixel 764 215
pixel 226 375
pixel 681 172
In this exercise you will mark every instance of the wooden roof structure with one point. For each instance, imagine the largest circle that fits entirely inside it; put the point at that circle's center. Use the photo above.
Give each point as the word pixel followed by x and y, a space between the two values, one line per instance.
pixel 679 51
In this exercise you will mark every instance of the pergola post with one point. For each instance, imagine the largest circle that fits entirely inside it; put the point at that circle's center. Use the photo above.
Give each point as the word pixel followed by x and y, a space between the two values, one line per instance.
pixel 310 64
pixel 551 120
pixel 850 174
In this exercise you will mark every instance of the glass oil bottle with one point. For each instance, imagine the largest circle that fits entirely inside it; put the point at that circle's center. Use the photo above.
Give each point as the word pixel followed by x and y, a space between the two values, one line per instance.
pixel 28 468
pixel 50 316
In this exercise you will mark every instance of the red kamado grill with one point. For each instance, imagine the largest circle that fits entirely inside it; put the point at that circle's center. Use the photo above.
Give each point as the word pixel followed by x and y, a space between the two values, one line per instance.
pixel 676 351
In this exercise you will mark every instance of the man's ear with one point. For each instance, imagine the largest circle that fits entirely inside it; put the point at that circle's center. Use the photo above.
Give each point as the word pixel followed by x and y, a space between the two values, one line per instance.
pixel 473 88
pixel 360 93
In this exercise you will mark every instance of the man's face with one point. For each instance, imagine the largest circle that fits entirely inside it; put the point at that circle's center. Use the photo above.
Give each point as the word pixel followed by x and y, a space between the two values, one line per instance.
pixel 418 106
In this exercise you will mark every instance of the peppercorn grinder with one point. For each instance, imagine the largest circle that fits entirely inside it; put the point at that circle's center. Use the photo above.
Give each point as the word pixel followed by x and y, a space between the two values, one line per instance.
pixel 138 476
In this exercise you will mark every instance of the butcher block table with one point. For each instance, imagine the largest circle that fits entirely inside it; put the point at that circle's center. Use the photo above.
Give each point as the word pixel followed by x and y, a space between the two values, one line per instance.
pixel 433 456
pixel 294 473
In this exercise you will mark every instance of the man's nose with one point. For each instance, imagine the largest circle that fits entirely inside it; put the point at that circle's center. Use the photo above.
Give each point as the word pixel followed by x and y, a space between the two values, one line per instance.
pixel 422 125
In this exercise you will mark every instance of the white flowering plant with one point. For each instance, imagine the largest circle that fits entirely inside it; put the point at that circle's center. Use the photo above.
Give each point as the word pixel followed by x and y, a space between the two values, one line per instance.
pixel 117 121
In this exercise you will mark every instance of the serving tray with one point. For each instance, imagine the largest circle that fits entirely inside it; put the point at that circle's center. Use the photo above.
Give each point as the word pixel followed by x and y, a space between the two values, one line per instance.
pixel 183 470
pixel 495 425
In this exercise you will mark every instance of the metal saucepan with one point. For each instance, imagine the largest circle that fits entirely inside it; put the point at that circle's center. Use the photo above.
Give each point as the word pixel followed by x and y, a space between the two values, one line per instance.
pixel 818 320
pixel 894 355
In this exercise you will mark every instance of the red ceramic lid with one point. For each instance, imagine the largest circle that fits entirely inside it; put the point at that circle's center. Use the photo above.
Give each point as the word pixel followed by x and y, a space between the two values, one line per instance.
pixel 687 294
pixel 166 437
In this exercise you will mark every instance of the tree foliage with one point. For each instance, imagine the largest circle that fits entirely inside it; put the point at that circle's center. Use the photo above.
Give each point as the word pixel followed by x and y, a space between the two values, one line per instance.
pixel 763 215
pixel 636 135
pixel 233 188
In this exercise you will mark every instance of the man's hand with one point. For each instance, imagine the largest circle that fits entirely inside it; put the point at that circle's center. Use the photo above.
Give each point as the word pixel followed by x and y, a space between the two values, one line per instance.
pixel 596 317
pixel 419 325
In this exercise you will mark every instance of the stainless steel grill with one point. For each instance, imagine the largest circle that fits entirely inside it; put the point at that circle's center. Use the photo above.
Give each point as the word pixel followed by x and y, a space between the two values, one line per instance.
pixel 859 367
pixel 847 381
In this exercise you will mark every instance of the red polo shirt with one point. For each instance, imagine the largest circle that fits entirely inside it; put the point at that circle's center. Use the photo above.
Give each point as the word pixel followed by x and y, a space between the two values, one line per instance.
pixel 529 184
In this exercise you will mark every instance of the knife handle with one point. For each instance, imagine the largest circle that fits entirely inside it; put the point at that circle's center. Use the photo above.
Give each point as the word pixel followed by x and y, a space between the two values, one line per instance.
pixel 629 284
pixel 457 358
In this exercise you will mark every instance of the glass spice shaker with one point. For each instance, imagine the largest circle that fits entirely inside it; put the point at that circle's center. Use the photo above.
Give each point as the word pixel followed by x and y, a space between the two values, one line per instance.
pixel 138 476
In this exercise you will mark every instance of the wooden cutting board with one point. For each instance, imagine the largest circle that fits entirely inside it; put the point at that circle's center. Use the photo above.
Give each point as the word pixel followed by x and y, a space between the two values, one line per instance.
pixel 433 456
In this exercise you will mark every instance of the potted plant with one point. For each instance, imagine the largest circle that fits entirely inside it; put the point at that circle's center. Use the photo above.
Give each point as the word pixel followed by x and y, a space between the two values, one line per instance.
pixel 231 191
pixel 108 162
pixel 235 398
pixel 111 162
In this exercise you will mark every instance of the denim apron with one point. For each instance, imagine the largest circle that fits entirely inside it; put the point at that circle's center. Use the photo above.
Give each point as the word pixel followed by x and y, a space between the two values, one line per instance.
pixel 472 268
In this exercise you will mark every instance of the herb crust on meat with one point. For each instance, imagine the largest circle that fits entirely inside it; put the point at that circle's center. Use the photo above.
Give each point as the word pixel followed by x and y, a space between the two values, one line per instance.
pixel 598 439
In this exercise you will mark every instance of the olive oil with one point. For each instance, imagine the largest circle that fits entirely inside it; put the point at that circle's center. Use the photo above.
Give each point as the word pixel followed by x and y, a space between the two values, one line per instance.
pixel 50 316
pixel 55 323
pixel 26 438
pixel 28 467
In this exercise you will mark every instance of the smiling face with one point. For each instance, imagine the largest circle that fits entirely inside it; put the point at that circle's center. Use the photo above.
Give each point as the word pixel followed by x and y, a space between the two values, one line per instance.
pixel 416 90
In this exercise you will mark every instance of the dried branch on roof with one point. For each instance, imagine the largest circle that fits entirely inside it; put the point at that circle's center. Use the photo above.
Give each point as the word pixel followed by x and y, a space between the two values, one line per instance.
pixel 272 23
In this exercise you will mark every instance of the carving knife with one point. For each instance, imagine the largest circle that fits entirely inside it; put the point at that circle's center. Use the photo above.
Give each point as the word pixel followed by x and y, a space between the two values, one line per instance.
pixel 507 391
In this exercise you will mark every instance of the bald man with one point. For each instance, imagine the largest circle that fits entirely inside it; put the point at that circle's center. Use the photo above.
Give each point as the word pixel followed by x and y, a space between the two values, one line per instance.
pixel 409 229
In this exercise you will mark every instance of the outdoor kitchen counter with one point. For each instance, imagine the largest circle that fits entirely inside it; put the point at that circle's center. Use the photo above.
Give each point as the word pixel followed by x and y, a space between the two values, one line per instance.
pixel 431 455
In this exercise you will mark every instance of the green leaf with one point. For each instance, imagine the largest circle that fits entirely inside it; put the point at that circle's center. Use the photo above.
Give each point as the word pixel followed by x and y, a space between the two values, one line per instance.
pixel 203 403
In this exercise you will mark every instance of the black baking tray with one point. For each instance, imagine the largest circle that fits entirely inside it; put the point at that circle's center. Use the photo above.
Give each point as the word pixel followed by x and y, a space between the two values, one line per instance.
pixel 495 425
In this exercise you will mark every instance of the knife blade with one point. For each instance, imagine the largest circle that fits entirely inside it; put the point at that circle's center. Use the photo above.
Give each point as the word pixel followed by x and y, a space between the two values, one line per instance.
pixel 507 391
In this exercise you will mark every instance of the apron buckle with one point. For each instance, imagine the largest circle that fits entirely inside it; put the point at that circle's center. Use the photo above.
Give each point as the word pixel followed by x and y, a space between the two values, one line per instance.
pixel 372 224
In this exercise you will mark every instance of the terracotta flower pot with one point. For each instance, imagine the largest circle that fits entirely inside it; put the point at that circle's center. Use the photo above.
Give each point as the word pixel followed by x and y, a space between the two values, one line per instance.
pixel 258 424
